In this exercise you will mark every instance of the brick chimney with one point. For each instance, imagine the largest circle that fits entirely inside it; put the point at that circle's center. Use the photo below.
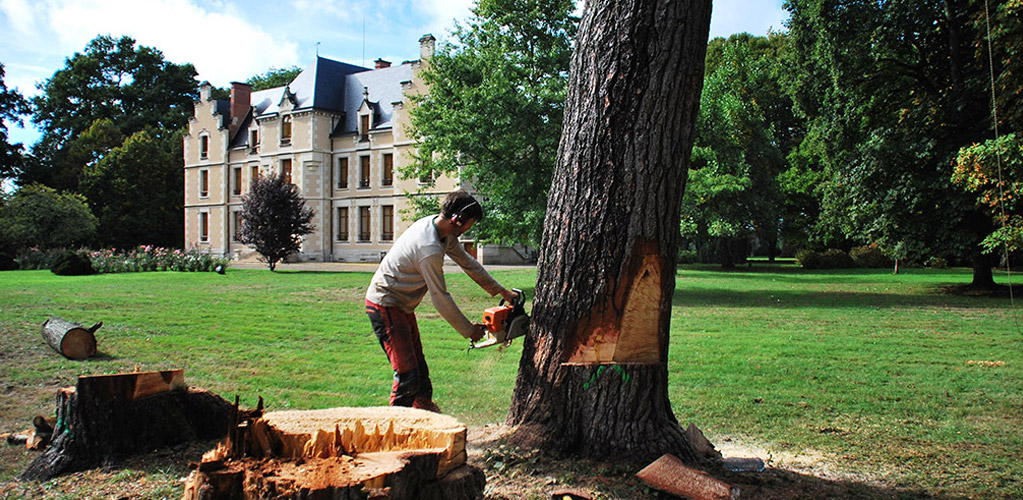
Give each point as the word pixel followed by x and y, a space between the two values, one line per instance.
pixel 427 44
pixel 381 64
pixel 240 102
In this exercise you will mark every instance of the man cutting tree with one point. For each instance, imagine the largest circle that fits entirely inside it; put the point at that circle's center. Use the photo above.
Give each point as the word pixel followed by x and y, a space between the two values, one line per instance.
pixel 413 266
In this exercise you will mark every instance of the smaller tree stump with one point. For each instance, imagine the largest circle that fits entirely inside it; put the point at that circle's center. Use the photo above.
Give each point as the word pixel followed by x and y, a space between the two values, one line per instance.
pixel 71 340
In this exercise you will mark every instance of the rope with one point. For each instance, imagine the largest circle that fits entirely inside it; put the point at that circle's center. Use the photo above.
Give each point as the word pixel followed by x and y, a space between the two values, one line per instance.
pixel 998 159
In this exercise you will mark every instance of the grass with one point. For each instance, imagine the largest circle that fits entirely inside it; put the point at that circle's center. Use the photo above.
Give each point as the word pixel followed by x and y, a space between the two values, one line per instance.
pixel 882 376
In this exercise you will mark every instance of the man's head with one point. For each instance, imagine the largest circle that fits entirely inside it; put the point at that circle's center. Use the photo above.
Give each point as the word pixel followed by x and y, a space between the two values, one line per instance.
pixel 461 208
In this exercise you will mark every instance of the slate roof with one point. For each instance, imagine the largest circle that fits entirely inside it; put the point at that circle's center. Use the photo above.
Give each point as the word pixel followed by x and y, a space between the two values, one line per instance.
pixel 337 87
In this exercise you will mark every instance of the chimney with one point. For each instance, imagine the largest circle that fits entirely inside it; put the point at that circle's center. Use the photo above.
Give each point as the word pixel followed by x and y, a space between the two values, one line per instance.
pixel 240 103
pixel 381 64
pixel 427 44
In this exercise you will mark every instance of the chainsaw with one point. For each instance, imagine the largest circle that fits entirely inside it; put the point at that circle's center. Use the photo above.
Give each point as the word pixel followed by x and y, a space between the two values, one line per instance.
pixel 504 322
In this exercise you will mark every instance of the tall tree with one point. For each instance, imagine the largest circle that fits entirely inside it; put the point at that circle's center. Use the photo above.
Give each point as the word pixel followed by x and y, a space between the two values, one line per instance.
pixel 112 79
pixel 274 77
pixel 135 189
pixel 274 219
pixel 12 106
pixel 893 90
pixel 593 379
pixel 494 110
pixel 38 216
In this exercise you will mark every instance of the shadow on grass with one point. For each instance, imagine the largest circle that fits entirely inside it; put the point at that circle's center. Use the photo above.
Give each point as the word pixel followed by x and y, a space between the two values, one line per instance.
pixel 814 299
pixel 782 484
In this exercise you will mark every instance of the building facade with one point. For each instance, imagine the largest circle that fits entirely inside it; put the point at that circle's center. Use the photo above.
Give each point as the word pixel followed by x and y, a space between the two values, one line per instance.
pixel 337 131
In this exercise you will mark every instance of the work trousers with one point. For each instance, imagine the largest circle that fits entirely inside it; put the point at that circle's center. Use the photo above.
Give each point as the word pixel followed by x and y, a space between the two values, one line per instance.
pixel 398 334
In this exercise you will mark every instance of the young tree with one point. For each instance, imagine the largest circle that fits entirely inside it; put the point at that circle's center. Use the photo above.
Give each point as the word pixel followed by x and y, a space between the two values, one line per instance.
pixel 494 110
pixel 36 215
pixel 993 172
pixel 274 219
pixel 593 379
pixel 12 106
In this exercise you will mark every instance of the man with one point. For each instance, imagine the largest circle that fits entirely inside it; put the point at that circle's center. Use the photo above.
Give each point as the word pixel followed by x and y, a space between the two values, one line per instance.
pixel 413 266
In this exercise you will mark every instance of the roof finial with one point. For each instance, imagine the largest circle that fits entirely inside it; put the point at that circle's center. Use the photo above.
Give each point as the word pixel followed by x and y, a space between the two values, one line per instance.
pixel 365 93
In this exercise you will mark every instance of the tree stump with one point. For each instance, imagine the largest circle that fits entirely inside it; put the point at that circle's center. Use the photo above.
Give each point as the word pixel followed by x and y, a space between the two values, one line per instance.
pixel 71 340
pixel 107 417
pixel 339 453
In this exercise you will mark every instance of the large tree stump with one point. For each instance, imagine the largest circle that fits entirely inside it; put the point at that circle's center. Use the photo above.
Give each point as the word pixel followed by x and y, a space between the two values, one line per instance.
pixel 107 417
pixel 339 453
pixel 71 340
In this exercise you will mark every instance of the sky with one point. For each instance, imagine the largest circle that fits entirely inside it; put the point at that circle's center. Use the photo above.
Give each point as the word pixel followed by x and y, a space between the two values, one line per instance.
pixel 232 40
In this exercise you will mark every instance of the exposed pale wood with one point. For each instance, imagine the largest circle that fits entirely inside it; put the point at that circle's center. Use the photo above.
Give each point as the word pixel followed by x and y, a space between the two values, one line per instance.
pixel 391 452
pixel 669 474
pixel 71 340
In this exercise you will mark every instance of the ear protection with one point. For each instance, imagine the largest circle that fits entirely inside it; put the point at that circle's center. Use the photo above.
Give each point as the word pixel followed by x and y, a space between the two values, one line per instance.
pixel 457 219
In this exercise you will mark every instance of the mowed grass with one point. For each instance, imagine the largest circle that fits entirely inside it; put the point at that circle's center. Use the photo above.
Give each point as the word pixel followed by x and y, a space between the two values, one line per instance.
pixel 882 376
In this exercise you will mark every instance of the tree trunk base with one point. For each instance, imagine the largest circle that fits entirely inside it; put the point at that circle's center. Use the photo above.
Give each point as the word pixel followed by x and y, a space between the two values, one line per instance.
pixel 338 453
pixel 106 418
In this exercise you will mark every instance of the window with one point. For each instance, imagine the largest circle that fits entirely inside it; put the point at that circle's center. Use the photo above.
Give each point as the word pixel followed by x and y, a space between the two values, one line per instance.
pixel 254 140
pixel 253 175
pixel 364 224
pixel 204 147
pixel 342 223
pixel 236 222
pixel 364 128
pixel 204 226
pixel 204 183
pixel 286 170
pixel 387 222
pixel 427 178
pixel 236 179
pixel 342 173
pixel 364 171
pixel 388 169
pixel 286 130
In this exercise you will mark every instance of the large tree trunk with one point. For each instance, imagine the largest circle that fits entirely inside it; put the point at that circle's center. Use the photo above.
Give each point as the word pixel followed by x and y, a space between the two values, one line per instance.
pixel 72 340
pixel 593 379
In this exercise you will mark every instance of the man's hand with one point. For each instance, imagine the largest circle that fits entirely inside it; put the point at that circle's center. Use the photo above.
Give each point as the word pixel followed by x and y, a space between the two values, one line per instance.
pixel 478 332
pixel 508 295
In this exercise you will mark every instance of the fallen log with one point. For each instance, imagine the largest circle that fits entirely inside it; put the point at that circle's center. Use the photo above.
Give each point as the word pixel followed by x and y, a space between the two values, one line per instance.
pixel 670 475
pixel 383 452
pixel 104 418
pixel 71 340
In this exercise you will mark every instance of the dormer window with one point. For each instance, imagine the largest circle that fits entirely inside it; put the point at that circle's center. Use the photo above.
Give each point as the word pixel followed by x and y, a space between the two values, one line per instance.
pixel 254 140
pixel 204 147
pixel 286 130
pixel 364 128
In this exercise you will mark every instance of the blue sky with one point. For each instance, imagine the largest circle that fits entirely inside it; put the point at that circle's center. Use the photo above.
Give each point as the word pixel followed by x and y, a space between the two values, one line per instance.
pixel 235 39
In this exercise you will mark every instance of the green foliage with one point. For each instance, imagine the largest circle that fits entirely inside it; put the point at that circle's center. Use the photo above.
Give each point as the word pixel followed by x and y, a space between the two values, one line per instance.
pixel 870 256
pixel 831 258
pixel 133 87
pixel 12 106
pixel 993 172
pixel 39 216
pixel 420 205
pixel 274 219
pixel 274 77
pixel 69 263
pixel 135 191
pixel 493 114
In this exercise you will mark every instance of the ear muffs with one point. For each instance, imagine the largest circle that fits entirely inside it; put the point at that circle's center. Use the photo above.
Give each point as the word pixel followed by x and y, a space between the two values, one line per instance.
pixel 459 218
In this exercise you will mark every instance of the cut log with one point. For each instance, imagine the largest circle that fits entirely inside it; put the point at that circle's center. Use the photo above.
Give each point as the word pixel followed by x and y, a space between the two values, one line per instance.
pixel 383 452
pixel 107 417
pixel 670 475
pixel 71 340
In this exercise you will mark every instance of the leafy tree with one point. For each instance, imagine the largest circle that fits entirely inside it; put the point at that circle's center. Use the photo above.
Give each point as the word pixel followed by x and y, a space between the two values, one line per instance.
pixel 893 90
pixel 274 77
pixel 135 188
pixel 133 87
pixel 39 216
pixel 493 114
pixel 993 172
pixel 274 219
pixel 12 106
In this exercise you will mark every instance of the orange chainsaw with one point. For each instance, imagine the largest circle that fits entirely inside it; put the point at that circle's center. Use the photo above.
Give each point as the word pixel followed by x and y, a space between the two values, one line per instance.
pixel 504 322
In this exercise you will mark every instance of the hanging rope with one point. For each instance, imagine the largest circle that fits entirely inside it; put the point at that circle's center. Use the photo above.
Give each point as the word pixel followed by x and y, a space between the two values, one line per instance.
pixel 998 159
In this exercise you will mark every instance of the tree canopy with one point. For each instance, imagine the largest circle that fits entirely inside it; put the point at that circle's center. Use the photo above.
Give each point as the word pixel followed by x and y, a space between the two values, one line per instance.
pixel 274 77
pixel 38 216
pixel 12 106
pixel 493 113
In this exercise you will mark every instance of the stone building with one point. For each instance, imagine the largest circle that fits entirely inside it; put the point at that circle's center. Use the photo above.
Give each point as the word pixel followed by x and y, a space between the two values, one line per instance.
pixel 337 131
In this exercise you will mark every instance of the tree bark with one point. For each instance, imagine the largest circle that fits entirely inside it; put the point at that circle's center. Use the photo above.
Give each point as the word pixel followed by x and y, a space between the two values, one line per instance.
pixel 593 378
pixel 108 417
pixel 71 340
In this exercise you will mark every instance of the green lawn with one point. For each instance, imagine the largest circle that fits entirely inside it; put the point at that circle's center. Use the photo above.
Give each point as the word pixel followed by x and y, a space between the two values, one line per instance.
pixel 877 373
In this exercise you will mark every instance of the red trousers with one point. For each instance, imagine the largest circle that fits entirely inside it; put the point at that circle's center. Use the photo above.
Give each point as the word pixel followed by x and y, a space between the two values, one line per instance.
pixel 398 334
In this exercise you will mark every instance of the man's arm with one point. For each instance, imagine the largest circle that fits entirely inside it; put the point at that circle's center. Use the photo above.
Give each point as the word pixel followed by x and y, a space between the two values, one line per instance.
pixel 432 269
pixel 475 270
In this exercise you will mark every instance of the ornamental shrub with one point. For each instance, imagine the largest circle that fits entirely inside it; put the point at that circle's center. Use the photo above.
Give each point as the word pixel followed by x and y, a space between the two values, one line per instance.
pixel 70 263
pixel 870 256
pixel 831 258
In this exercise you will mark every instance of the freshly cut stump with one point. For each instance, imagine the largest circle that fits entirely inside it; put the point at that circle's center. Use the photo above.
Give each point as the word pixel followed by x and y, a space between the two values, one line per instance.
pixel 379 452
